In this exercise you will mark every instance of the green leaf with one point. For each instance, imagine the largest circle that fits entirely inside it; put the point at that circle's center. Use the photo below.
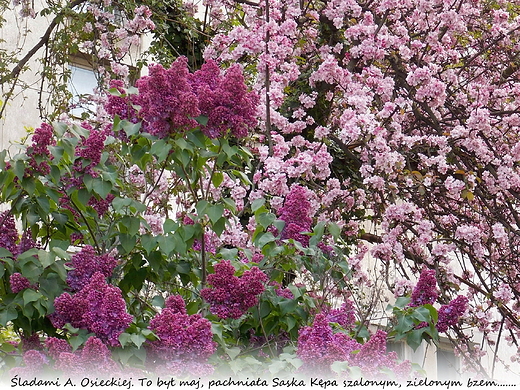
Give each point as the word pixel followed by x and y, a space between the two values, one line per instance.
pixel 170 225
pixel 217 329
pixel 287 306
pixel 422 314
pixel 167 244
pixel 264 238
pixel 57 152
pixel 62 254
pixel 127 242
pixel 334 230
pixel 201 207
pixel 404 325
pixel 290 321
pixel 60 218
pixel 228 254
pixel 265 309
pixel 46 258
pixel 30 295
pixel 138 339
pixel 79 340
pixel 257 203
pixel 265 219
pixel 183 268
pixel 197 138
pixel 414 338
pixel 433 312
pixel 217 179
pixel 115 92
pixel 243 177
pixel 60 128
pixel 318 231
pixel 340 367
pixel 29 185
pixel 102 188
pixel 148 242
pixel 158 301
pixel 69 146
pixel 161 149
pixel 202 120
pixel 183 144
pixel 156 260
pixel 219 226
pixel 8 314
pixel 401 302
pixel 124 339
pixel 230 203
pixel 7 347
pixel 19 169
pixel 232 352
pixel 184 157
pixel 215 212
pixel 132 224
pixel 5 253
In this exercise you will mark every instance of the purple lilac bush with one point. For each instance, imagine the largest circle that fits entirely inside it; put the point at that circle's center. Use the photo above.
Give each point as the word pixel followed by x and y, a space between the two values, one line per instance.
pixel 231 296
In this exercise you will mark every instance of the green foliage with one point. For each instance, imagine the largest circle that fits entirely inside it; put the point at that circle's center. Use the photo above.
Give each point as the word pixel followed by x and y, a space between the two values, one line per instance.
pixel 414 324
pixel 61 211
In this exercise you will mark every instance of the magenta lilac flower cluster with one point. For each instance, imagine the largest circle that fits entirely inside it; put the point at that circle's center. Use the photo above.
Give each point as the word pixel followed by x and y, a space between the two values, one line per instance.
pixel 170 99
pixel 168 103
pixel 85 263
pixel 121 104
pixel 35 363
pixel 26 242
pixel 224 100
pixel 373 357
pixel 93 360
pixel 281 291
pixel 31 342
pixel 450 314
pixel 18 282
pixel 90 149
pixel 56 346
pixel 319 347
pixel 8 233
pixel 425 291
pixel 372 354
pixel 182 337
pixel 230 296
pixel 98 307
pixel 9 237
pixel 38 153
pixel 344 316
pixel 87 156
pixel 295 214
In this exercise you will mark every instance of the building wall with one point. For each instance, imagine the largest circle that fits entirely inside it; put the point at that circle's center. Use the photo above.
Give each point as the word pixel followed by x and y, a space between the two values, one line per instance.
pixel 20 35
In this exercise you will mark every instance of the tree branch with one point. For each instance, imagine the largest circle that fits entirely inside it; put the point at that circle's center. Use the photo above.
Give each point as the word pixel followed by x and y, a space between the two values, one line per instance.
pixel 43 41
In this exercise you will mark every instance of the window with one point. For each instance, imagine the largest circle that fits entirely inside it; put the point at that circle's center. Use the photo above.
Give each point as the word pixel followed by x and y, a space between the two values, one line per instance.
pixel 81 84
pixel 448 365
